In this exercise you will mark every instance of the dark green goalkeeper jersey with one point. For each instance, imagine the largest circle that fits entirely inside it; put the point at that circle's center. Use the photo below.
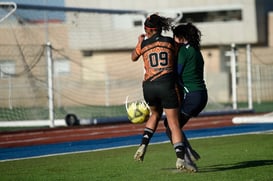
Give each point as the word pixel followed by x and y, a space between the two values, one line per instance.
pixel 190 68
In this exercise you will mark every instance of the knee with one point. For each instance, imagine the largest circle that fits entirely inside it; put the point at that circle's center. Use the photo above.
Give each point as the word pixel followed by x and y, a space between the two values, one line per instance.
pixel 183 119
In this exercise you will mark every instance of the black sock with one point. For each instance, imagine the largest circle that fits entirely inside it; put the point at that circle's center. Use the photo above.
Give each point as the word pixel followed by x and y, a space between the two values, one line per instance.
pixel 147 135
pixel 179 150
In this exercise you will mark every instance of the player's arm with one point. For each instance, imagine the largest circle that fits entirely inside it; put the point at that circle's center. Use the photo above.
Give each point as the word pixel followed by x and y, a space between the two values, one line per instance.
pixel 136 53
pixel 181 59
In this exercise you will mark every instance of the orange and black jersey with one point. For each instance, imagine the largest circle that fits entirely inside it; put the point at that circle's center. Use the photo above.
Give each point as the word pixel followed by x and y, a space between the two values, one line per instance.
pixel 158 54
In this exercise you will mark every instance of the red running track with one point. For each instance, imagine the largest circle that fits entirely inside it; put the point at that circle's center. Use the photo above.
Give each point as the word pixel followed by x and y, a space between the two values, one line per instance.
pixel 67 134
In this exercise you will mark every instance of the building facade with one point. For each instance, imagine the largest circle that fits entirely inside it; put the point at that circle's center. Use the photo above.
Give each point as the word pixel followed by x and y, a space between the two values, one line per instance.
pixel 91 50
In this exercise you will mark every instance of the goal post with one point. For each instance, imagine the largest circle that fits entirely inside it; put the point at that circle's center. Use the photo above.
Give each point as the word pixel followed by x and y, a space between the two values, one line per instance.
pixel 7 9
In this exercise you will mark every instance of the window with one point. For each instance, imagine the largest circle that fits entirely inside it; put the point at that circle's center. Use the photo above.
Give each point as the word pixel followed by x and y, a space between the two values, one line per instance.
pixel 87 53
pixel 212 16
pixel 138 23
pixel 127 21
pixel 61 67
pixel 6 68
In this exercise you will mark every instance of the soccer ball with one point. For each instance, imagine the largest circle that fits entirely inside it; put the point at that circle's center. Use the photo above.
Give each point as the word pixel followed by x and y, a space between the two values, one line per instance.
pixel 138 112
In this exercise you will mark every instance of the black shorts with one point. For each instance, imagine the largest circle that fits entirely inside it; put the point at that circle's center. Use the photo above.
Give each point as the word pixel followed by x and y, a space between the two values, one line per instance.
pixel 161 93
pixel 194 102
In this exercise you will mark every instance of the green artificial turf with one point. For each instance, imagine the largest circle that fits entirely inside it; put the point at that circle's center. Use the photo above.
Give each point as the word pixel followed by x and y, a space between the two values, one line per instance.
pixel 232 158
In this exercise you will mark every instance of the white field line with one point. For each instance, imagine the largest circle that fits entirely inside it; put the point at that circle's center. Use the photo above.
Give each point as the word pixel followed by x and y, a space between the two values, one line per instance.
pixel 126 146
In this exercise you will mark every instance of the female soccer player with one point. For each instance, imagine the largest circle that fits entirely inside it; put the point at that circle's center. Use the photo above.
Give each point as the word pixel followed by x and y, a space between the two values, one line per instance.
pixel 158 53
pixel 190 69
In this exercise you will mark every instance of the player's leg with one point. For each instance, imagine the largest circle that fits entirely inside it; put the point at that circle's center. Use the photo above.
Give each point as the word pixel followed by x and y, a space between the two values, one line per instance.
pixel 193 104
pixel 150 126
pixel 183 119
pixel 149 130
pixel 190 152
pixel 177 139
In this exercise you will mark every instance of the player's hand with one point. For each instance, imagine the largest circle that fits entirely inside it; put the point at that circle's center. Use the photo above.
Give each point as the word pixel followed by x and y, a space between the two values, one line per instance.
pixel 138 46
pixel 141 38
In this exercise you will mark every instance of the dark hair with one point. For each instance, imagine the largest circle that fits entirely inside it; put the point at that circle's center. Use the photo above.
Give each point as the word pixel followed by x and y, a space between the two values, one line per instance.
pixel 158 23
pixel 190 32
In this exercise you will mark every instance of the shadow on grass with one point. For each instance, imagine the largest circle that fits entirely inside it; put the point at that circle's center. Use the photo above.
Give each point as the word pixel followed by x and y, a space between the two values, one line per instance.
pixel 239 165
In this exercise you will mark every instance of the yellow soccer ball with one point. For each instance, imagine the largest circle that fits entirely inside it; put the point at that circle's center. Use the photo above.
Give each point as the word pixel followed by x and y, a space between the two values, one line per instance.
pixel 138 112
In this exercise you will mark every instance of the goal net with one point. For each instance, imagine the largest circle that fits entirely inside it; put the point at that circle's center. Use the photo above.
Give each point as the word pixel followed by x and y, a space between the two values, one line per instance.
pixel 90 51
pixel 92 70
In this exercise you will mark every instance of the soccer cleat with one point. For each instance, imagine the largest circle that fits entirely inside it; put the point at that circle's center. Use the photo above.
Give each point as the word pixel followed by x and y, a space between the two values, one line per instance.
pixel 193 154
pixel 185 165
pixel 187 156
pixel 139 155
